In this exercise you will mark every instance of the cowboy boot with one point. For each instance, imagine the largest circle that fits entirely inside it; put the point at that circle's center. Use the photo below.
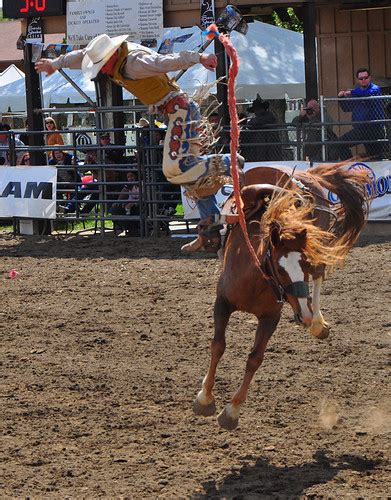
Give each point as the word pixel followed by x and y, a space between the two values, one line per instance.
pixel 208 239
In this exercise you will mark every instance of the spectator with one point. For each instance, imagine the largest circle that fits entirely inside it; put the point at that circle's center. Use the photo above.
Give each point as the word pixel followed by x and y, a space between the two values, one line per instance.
pixel 214 120
pixel 265 142
pixel 127 204
pixel 144 141
pixel 52 139
pixel 109 154
pixel 66 177
pixel 24 136
pixel 308 122
pixel 25 160
pixel 5 139
pixel 88 191
pixel 363 110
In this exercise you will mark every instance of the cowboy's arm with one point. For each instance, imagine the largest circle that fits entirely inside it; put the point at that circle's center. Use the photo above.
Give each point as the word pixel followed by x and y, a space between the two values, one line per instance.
pixel 71 60
pixel 142 64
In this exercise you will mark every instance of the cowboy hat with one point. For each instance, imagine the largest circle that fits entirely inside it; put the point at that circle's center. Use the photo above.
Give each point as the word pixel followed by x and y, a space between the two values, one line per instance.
pixel 258 103
pixel 143 122
pixel 98 52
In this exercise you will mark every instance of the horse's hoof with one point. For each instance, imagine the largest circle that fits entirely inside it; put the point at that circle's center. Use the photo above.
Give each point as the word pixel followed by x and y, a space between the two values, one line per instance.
pixel 226 421
pixel 320 331
pixel 204 410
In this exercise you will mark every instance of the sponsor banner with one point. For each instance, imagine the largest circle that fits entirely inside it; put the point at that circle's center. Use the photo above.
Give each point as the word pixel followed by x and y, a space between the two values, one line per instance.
pixel 379 188
pixel 28 192
pixel 87 19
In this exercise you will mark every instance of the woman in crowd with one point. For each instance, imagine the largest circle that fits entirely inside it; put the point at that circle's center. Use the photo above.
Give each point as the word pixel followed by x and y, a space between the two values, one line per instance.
pixel 54 138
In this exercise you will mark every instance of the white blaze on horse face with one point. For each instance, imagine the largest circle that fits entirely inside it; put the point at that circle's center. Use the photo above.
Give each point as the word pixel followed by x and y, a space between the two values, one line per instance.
pixel 291 264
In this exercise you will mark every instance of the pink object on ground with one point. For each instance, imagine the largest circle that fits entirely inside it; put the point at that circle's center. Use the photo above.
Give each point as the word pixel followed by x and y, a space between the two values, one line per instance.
pixel 13 273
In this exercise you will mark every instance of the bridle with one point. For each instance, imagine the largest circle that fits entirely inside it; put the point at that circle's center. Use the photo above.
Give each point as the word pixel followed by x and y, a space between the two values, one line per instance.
pixel 298 289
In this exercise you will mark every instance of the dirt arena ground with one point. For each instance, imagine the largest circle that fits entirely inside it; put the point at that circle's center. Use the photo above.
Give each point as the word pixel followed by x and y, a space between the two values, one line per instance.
pixel 104 346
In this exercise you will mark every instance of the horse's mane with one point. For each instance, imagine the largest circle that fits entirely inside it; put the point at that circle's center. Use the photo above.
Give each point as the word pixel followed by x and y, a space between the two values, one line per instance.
pixel 293 213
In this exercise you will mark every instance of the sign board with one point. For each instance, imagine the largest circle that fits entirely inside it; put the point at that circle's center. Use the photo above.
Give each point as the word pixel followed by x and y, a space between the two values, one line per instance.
pixel 15 9
pixel 379 188
pixel 28 192
pixel 140 20
pixel 34 32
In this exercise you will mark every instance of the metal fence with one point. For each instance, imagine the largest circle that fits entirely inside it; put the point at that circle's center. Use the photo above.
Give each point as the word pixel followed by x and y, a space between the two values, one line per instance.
pixel 94 179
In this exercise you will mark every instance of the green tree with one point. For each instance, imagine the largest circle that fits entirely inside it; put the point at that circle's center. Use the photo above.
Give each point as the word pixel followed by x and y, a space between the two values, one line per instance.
pixel 291 21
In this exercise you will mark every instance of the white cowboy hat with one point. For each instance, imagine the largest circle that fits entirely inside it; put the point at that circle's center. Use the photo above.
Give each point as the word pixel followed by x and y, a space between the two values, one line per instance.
pixel 98 52
pixel 143 122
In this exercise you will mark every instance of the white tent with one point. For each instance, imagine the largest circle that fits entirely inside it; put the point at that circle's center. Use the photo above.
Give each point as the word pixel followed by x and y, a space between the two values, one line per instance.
pixel 271 64
pixel 271 61
pixel 56 90
pixel 9 79
pixel 11 74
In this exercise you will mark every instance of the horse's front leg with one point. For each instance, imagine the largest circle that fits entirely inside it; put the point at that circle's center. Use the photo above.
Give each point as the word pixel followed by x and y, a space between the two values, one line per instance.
pixel 229 417
pixel 204 403
pixel 319 328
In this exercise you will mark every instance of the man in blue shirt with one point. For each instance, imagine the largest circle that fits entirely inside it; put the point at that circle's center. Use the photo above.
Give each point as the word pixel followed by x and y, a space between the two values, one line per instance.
pixel 363 110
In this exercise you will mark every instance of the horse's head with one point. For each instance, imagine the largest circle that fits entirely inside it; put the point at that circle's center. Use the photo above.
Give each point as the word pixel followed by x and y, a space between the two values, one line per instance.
pixel 287 267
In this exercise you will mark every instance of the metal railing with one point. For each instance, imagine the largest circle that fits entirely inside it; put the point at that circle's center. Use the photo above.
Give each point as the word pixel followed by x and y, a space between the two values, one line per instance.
pixel 324 139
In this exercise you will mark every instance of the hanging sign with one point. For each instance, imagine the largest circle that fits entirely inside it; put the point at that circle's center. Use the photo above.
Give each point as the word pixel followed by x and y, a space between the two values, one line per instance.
pixel 34 32
pixel 207 9
pixel 140 20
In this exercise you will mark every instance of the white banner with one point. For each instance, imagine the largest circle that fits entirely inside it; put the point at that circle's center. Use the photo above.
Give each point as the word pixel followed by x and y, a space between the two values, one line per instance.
pixel 379 188
pixel 28 192
pixel 87 19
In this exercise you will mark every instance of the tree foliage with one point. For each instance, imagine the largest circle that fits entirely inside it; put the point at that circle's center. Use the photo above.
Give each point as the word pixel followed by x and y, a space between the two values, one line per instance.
pixel 293 23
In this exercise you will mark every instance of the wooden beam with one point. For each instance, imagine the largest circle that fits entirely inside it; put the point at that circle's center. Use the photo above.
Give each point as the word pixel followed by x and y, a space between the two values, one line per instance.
pixel 311 73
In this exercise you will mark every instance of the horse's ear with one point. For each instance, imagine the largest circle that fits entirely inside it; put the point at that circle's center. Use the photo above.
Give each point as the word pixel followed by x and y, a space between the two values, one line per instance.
pixel 275 234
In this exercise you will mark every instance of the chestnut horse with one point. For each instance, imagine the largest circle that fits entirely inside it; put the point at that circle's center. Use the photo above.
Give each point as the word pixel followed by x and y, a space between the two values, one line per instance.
pixel 344 219
pixel 295 234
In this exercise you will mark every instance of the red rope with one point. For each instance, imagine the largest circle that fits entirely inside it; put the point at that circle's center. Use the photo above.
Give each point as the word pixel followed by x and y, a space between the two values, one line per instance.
pixel 234 144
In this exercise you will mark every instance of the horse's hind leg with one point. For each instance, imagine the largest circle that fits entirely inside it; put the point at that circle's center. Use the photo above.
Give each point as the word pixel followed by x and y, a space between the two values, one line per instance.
pixel 204 403
pixel 319 328
pixel 229 417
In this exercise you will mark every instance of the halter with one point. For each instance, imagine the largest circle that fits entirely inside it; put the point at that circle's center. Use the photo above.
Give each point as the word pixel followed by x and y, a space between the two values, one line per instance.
pixel 298 289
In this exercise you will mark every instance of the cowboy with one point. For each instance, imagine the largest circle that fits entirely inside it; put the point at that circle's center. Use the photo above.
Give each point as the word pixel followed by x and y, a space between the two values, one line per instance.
pixel 143 73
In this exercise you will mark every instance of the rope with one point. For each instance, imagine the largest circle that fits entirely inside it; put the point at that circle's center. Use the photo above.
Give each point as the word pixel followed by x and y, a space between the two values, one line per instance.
pixel 211 32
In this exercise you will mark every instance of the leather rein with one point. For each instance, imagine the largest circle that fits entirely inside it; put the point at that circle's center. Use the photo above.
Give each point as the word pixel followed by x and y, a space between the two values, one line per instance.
pixel 298 289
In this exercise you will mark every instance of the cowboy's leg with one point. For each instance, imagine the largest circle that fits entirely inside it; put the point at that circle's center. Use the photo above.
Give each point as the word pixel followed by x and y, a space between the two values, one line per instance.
pixel 183 164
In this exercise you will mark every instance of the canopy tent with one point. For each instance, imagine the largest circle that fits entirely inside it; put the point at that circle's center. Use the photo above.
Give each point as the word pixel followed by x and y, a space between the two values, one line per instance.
pixel 271 64
pixel 56 90
pixel 11 74
pixel 9 79
pixel 271 61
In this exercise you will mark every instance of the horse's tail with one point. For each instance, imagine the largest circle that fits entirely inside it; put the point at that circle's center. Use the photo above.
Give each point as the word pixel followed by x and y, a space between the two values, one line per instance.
pixel 352 211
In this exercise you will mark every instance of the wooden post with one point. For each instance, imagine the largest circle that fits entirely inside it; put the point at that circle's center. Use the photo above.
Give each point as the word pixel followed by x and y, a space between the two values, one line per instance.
pixel 222 89
pixel 33 101
pixel 34 123
pixel 311 73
